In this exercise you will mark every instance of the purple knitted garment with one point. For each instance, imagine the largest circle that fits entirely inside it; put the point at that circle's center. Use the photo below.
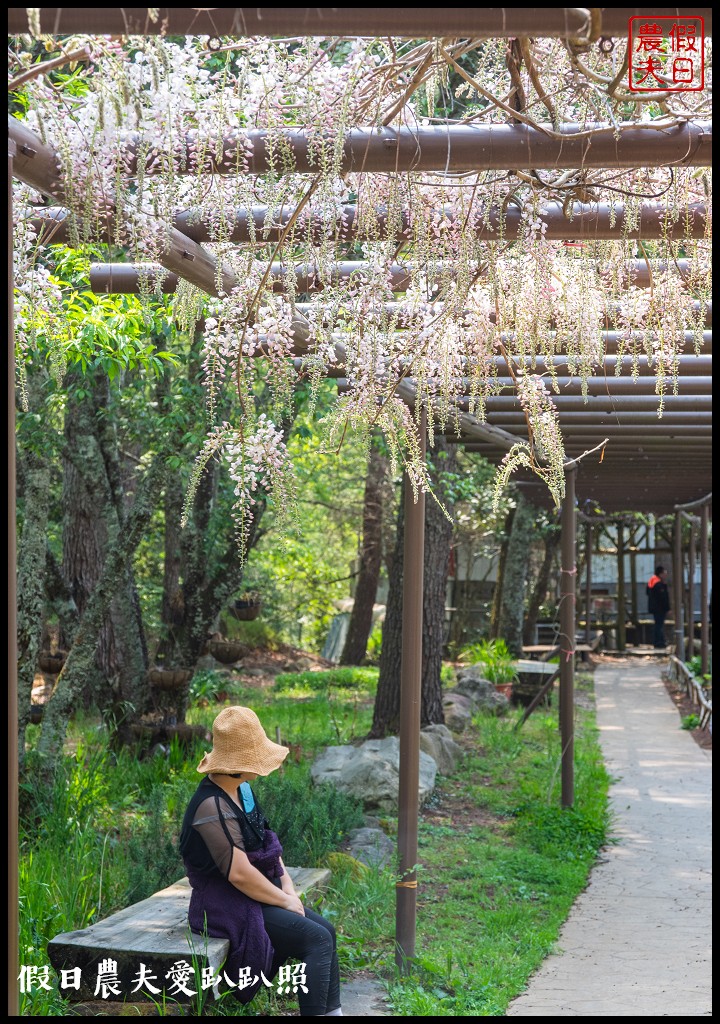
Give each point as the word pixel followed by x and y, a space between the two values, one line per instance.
pixel 230 914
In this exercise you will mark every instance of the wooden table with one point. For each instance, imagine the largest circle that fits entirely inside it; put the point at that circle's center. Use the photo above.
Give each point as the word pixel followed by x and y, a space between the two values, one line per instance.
pixel 532 675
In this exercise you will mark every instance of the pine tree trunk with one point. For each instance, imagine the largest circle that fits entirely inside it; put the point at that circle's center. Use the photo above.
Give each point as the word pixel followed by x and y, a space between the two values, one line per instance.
pixel 512 602
pixel 361 618
pixel 206 572
pixel 438 543
pixel 34 480
pixel 81 657
pixel 438 540
pixel 551 542
pixel 94 512
pixel 500 581
pixel 386 714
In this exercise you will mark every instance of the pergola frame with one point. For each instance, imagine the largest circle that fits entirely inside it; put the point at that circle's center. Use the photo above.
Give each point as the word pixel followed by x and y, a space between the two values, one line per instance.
pixel 572 23
pixel 680 443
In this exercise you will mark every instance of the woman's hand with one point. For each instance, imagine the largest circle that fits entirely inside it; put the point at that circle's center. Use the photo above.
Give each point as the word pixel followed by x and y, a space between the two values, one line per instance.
pixel 292 902
pixel 286 883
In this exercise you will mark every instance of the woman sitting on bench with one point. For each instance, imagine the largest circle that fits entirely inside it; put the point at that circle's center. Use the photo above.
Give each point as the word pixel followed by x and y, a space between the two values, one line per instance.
pixel 240 888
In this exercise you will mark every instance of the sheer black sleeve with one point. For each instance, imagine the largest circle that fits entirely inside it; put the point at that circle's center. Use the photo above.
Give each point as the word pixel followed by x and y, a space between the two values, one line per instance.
pixel 219 828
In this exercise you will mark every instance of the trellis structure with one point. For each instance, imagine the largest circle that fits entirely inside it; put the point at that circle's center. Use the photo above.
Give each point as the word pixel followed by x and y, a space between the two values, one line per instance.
pixel 619 454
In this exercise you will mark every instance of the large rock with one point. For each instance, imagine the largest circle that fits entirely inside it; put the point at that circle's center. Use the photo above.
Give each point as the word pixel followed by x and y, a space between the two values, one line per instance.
pixel 372 847
pixel 371 772
pixel 437 741
pixel 472 684
pixel 458 711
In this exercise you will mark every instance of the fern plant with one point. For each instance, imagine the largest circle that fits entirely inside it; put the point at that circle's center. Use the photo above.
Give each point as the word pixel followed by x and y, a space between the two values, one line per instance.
pixel 495 658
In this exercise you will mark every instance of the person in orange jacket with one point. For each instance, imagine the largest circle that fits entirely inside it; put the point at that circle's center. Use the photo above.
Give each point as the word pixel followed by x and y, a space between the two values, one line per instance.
pixel 658 602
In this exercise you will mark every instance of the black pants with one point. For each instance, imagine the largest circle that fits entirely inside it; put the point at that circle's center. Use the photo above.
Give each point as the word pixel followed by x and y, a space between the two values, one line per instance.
pixel 311 941
pixel 659 639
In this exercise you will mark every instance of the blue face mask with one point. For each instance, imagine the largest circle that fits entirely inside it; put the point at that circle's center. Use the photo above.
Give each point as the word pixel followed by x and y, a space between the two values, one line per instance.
pixel 247 796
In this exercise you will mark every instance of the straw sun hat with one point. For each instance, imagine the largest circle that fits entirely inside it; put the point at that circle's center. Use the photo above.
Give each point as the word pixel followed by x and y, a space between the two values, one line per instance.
pixel 240 745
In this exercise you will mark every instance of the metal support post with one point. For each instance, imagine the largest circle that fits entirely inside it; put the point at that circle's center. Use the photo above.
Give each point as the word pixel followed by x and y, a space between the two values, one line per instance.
pixel 692 558
pixel 678 588
pixel 568 583
pixel 588 582
pixel 410 707
pixel 620 587
pixel 704 592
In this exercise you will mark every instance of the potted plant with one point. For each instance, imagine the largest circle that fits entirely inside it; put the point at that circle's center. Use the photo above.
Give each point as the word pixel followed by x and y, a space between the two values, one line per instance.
pixel 496 661
pixel 246 607
pixel 51 662
pixel 227 652
pixel 163 678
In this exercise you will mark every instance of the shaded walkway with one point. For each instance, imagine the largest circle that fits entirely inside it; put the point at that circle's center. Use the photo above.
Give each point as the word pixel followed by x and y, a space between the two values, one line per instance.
pixel 638 941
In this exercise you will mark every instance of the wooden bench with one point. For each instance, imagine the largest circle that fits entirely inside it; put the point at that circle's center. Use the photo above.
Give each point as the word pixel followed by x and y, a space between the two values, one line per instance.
pixel 583 649
pixel 153 932
pixel 544 652
pixel 541 652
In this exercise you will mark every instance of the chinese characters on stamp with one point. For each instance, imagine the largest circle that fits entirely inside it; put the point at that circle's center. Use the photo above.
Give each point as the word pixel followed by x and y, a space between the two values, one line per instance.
pixel 666 54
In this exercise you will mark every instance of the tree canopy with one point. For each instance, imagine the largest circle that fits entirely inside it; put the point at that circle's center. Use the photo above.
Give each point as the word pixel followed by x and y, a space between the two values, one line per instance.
pixel 435 221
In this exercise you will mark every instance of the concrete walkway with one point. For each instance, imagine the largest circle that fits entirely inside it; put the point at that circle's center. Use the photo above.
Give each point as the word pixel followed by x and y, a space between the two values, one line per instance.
pixel 638 941
pixel 364 997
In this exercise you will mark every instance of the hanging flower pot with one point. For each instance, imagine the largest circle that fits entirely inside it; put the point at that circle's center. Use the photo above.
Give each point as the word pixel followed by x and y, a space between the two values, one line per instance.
pixel 51 662
pixel 245 609
pixel 169 678
pixel 227 651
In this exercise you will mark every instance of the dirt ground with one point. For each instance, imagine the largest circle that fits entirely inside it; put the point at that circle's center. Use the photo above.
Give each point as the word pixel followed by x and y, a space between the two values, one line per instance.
pixel 685 706
pixel 262 664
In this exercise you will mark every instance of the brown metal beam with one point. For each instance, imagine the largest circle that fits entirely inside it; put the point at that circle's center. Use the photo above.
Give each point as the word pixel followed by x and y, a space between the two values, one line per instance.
pixel 612 386
pixel 706 500
pixel 645 467
pixel 630 470
pixel 612 497
pixel 604 421
pixel 571 23
pixel 585 222
pixel 603 403
pixel 400 310
pixel 613 503
pixel 124 278
pixel 689 368
pixel 619 445
pixel 446 149
pixel 575 436
pixel 500 440
pixel 37 165
pixel 647 493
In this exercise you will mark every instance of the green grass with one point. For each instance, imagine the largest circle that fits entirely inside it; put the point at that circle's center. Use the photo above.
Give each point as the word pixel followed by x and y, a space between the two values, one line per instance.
pixel 499 862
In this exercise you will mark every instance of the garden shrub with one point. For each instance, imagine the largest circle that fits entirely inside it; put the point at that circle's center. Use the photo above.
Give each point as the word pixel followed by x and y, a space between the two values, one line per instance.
pixel 342 678
pixel 310 820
